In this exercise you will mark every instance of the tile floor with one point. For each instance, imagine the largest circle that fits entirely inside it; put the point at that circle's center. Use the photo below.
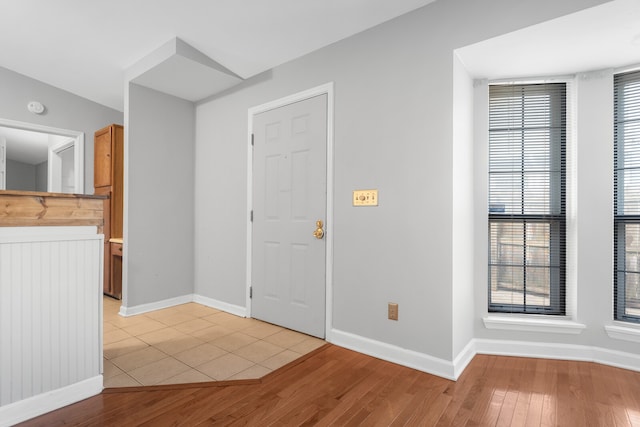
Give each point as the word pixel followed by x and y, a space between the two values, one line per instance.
pixel 193 343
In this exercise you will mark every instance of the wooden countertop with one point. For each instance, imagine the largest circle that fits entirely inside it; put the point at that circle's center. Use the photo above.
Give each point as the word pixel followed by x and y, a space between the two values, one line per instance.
pixel 30 208
pixel 45 194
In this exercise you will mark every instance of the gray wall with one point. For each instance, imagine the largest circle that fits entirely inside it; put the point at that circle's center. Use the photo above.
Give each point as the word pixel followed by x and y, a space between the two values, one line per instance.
pixel 42 177
pixel 159 197
pixel 63 110
pixel 20 176
pixel 394 131
pixel 26 177
pixel 462 256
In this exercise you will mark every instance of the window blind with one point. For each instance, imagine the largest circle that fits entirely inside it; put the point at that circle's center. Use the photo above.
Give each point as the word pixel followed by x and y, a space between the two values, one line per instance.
pixel 627 196
pixel 527 193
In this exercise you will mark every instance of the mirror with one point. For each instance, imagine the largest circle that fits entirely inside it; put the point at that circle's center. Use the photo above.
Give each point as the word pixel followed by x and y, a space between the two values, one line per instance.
pixel 41 158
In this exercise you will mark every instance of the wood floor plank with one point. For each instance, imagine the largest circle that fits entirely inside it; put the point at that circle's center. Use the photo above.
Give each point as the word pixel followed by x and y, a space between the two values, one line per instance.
pixel 459 409
pixel 538 390
pixel 368 381
pixel 386 408
pixel 628 400
pixel 338 387
pixel 355 404
pixel 429 410
pixel 521 379
pixel 491 395
pixel 550 400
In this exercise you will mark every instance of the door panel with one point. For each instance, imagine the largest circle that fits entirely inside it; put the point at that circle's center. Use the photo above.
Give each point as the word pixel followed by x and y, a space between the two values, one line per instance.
pixel 289 196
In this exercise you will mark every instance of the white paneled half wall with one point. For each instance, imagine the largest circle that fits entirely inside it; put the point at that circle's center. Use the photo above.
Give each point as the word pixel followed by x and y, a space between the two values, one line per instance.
pixel 50 318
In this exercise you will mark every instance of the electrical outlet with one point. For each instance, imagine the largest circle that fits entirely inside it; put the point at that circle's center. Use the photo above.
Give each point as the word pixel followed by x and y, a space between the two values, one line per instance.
pixel 393 311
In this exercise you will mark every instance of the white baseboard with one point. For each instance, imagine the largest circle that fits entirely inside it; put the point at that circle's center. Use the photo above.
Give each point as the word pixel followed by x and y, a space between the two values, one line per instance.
pixel 463 359
pixel 159 305
pixel 453 370
pixel 618 359
pixel 582 353
pixel 152 306
pixel 391 353
pixel 46 402
pixel 220 305
pixel 534 349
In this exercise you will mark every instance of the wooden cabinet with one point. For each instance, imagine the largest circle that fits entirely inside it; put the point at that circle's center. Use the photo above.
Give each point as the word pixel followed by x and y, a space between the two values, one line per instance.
pixel 116 265
pixel 108 179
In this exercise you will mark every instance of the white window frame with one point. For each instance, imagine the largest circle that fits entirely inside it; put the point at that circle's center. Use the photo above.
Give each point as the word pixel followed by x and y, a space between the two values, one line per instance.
pixel 563 324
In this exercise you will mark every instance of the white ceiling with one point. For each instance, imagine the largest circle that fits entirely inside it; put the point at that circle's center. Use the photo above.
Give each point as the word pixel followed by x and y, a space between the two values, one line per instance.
pixel 85 46
pixel 25 146
pixel 606 36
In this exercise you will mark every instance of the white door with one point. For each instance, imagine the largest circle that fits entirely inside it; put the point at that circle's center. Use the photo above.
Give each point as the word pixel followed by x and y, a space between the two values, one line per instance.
pixel 3 163
pixel 61 175
pixel 289 198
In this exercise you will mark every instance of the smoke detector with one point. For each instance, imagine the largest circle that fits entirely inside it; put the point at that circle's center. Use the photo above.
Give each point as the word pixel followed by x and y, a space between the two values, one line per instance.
pixel 35 107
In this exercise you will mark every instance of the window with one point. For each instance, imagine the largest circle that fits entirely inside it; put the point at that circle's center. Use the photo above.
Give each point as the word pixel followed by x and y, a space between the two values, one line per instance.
pixel 627 196
pixel 527 192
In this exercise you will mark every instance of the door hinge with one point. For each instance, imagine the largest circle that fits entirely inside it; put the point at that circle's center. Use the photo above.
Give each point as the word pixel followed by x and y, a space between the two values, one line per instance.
pixel 252 140
pixel 250 291
pixel 251 216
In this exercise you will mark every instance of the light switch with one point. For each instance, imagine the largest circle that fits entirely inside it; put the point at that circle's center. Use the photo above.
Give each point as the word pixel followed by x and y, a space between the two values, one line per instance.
pixel 365 197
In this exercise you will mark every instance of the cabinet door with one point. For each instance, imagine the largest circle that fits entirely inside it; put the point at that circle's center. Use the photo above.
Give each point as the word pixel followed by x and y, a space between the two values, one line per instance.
pixel 117 183
pixel 116 270
pixel 102 158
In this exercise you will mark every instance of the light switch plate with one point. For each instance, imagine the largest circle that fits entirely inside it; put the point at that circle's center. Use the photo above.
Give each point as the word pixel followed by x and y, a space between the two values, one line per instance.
pixel 365 197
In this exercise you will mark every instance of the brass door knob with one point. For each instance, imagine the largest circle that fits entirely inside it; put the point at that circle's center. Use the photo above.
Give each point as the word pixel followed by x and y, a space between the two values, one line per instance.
pixel 319 233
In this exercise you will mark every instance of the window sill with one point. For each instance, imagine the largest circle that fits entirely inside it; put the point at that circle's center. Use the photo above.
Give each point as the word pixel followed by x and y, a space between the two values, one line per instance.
pixel 625 333
pixel 526 324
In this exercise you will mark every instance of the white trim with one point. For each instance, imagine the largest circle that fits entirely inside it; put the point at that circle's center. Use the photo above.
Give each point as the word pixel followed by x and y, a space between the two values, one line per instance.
pixel 619 359
pixel 558 351
pixel 248 257
pixel 453 370
pixel 300 96
pixel 48 233
pixel 533 80
pixel 626 69
pixel 184 299
pixel 402 356
pixel 525 324
pixel 463 359
pixel 152 306
pixel 46 402
pixel 221 305
pixel 78 162
pixel 625 333
pixel 78 146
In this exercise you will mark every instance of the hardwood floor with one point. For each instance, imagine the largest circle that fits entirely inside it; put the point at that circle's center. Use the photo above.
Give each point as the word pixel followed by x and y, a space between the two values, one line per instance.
pixel 333 386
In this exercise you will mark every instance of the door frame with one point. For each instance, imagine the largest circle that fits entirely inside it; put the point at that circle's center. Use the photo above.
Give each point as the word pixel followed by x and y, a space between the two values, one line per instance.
pixel 54 172
pixel 297 97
